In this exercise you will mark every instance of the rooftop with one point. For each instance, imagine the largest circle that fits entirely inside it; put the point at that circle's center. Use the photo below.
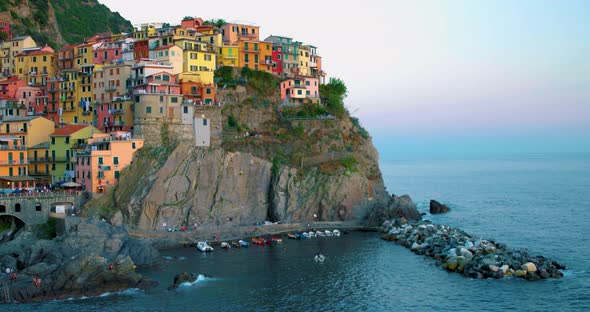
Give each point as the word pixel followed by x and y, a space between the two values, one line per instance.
pixel 68 130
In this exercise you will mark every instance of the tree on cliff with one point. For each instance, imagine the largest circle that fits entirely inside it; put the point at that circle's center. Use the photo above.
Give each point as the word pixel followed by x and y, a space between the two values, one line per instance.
pixel 333 94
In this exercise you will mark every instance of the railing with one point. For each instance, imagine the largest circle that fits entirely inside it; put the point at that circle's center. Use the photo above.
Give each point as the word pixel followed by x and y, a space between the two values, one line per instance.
pixel 117 111
pixel 14 162
pixel 10 148
pixel 40 159
pixel 110 88
pixel 121 98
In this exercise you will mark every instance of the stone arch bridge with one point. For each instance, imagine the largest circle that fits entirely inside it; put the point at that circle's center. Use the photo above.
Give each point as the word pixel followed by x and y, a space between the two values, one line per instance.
pixel 37 208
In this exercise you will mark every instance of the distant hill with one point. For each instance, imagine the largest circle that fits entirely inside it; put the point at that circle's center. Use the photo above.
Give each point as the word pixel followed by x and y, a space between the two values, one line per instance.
pixel 61 22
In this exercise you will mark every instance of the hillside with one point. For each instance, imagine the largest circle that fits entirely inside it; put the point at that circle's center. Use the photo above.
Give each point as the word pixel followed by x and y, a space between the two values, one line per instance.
pixel 60 22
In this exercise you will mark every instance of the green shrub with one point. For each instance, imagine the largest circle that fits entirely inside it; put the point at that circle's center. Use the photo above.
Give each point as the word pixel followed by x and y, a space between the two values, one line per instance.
pixel 231 121
pixel 349 163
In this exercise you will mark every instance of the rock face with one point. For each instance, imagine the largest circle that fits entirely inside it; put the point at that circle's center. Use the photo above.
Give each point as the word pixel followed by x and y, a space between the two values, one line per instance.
pixel 215 187
pixel 436 207
pixel 77 264
pixel 182 278
pixel 471 256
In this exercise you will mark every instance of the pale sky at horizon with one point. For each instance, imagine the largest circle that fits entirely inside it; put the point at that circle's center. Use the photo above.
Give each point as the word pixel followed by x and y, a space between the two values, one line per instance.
pixel 420 68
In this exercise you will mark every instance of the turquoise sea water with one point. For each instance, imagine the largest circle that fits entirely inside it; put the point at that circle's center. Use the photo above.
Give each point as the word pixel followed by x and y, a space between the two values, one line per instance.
pixel 537 202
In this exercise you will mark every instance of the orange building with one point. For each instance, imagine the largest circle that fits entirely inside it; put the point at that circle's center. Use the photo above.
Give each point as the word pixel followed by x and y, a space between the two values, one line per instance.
pixel 100 165
pixel 13 164
pixel 256 55
pixel 198 93
pixel 234 32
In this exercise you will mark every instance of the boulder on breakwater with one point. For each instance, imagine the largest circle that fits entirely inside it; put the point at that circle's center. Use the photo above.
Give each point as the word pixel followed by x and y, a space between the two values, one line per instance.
pixel 458 251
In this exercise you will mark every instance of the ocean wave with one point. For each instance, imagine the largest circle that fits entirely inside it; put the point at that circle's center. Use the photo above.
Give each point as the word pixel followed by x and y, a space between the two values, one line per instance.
pixel 200 278
pixel 125 292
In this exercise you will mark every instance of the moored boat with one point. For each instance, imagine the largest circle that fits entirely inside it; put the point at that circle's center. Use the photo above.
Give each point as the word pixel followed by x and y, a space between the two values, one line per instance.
pixel 225 245
pixel 258 241
pixel 204 247
pixel 277 240
pixel 319 258
pixel 328 233
pixel 320 233
pixel 305 235
pixel 291 236
pixel 336 233
pixel 235 244
pixel 243 243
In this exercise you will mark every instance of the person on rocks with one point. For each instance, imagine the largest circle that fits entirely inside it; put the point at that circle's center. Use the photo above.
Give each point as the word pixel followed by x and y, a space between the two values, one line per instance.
pixel 13 277
pixel 111 266
pixel 37 281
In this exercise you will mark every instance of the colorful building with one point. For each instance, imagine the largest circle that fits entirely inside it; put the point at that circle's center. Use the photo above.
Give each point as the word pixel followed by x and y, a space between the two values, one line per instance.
pixel 110 88
pixel 13 164
pixel 9 87
pixel 300 90
pixel 36 65
pixel 30 130
pixel 277 60
pixel 199 62
pixel 66 57
pixel 40 163
pixel 84 57
pixel 11 49
pixel 228 55
pixel 5 28
pixel 256 55
pixel 100 165
pixel 64 141
pixel 233 33
pixel 197 93
pixel 141 49
pixel 289 56
pixel 169 55
pixel 107 52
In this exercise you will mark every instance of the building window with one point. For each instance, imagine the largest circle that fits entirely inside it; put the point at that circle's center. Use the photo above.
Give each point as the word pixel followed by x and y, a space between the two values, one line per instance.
pixel 115 160
pixel 53 141
pixel 161 110
pixel 133 145
pixel 16 207
pixel 204 122
pixel 38 207
pixel 117 175
pixel 100 160
pixel 174 100
pixel 148 109
pixel 185 110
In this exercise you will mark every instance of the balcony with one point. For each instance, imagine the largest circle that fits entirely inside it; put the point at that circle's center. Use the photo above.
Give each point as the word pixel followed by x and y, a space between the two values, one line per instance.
pixel 40 160
pixel 13 162
pixel 86 113
pixel 68 108
pixel 266 62
pixel 52 90
pixel 12 148
pixel 119 123
pixel 104 168
pixel 117 111
pixel 121 99
pixel 110 88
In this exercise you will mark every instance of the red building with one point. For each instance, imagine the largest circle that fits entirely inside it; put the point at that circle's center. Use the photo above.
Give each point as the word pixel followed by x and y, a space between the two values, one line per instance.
pixel 8 87
pixel 108 52
pixel 51 111
pixel 66 57
pixel 159 83
pixel 141 50
pixel 198 93
pixel 5 28
pixel 277 59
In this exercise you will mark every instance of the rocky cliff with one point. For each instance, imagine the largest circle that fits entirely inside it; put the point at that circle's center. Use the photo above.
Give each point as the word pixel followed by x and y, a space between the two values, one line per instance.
pixel 217 187
pixel 59 22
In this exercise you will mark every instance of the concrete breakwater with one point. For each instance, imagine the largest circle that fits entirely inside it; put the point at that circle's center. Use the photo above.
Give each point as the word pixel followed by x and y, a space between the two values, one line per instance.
pixel 471 256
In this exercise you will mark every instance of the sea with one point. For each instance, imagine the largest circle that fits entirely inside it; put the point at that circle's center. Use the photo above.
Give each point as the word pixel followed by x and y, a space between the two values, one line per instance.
pixel 538 202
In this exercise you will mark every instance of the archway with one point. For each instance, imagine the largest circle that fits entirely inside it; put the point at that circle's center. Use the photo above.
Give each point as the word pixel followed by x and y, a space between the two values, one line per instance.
pixel 9 226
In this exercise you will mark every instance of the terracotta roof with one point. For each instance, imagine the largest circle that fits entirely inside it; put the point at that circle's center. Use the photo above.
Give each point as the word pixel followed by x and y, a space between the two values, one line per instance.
pixel 68 130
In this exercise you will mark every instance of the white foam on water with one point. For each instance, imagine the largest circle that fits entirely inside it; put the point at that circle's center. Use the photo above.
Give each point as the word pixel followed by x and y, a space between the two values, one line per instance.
pixel 200 278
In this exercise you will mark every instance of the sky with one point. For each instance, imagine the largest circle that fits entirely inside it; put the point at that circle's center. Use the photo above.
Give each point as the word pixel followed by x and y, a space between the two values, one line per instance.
pixel 451 76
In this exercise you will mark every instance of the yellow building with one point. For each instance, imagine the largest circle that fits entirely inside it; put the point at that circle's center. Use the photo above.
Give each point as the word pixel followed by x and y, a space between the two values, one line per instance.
pixel 10 50
pixel 36 65
pixel 228 55
pixel 145 31
pixel 63 142
pixel 256 55
pixel 84 57
pixel 31 130
pixel 13 164
pixel 68 110
pixel 199 62
pixel 40 162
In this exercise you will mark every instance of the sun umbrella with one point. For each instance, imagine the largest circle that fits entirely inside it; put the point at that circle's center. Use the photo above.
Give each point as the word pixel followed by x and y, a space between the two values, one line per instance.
pixel 70 184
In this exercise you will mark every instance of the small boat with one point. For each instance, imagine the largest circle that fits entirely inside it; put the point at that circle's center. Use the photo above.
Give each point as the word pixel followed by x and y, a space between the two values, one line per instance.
pixel 235 244
pixel 319 258
pixel 305 235
pixel 258 241
pixel 267 241
pixel 336 233
pixel 320 233
pixel 225 245
pixel 297 235
pixel 243 243
pixel 277 240
pixel 204 247
pixel 328 233
pixel 291 236
pixel 312 234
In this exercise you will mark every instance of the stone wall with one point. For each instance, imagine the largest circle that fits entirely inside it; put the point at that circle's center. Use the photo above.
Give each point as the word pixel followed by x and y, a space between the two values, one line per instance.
pixel 34 209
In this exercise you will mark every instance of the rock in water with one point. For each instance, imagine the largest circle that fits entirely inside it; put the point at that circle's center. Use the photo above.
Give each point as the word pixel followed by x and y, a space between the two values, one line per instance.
pixel 181 278
pixel 436 207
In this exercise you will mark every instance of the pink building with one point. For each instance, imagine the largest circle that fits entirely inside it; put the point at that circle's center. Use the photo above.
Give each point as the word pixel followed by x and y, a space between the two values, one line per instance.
pixel 107 52
pixel 100 165
pixel 300 88
pixel 158 83
pixel 9 87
